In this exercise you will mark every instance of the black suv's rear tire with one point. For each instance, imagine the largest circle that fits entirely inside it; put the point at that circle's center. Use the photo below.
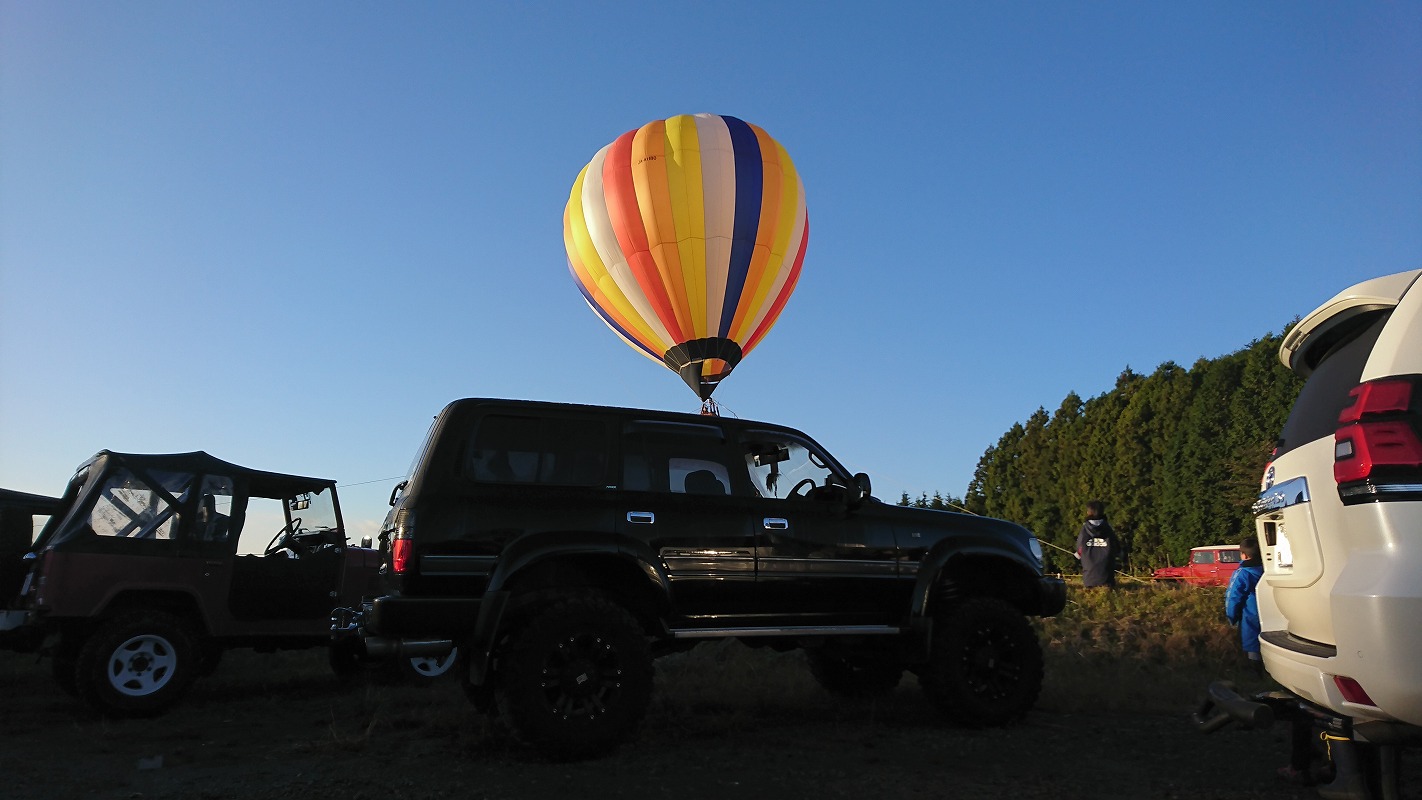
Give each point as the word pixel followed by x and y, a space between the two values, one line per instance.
pixel 986 663
pixel 576 678
pixel 137 664
pixel 853 677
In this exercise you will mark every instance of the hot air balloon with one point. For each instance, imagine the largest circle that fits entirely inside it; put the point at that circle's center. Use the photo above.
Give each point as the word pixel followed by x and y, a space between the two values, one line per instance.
pixel 686 237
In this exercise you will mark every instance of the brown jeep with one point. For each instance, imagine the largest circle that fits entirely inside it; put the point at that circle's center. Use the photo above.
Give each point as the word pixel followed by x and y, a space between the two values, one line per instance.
pixel 135 586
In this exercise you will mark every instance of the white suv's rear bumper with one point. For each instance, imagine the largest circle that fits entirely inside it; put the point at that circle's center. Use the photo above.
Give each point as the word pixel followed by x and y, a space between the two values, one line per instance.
pixel 1376 621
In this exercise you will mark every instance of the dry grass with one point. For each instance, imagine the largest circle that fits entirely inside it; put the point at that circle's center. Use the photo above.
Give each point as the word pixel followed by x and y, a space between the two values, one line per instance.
pixel 1139 647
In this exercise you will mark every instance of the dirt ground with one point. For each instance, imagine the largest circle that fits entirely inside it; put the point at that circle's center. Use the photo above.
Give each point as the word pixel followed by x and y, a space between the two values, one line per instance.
pixel 279 726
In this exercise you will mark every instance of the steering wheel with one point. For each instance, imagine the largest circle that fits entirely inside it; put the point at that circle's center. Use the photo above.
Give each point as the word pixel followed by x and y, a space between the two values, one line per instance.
pixel 287 532
pixel 795 492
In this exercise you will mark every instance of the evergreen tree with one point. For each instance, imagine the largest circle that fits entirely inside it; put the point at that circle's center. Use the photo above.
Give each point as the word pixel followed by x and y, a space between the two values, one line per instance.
pixel 1176 456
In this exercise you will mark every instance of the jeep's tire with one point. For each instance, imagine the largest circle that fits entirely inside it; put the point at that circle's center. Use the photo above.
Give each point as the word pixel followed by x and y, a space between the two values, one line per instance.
pixel 985 667
pixel 137 664
pixel 853 677
pixel 576 678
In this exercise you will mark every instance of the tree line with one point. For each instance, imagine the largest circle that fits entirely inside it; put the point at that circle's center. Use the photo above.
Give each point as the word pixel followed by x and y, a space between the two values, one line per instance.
pixel 1176 455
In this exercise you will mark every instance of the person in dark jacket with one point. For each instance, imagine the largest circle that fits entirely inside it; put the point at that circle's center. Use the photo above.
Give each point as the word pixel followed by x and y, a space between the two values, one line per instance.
pixel 1097 548
pixel 1242 600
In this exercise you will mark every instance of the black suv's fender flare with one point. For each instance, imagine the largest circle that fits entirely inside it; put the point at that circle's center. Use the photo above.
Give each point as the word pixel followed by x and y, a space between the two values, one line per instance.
pixel 978 565
pixel 554 561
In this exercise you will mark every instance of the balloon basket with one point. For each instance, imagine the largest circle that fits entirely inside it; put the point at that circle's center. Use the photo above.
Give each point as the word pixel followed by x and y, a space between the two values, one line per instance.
pixel 709 408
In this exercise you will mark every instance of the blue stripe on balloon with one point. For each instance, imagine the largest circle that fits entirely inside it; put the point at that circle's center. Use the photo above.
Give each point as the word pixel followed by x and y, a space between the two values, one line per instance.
pixel 750 179
pixel 610 322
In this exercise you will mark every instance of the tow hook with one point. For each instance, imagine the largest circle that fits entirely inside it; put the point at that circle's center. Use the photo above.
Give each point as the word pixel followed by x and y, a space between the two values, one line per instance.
pixel 1223 704
pixel 346 622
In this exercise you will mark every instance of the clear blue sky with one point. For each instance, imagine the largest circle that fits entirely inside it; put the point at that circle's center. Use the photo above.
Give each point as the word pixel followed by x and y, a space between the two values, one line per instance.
pixel 289 233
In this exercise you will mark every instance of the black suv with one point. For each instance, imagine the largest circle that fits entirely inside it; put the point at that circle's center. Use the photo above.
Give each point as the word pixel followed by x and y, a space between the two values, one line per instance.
pixel 561 548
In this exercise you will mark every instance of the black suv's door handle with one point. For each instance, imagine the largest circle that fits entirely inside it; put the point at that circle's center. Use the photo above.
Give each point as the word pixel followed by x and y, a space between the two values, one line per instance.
pixel 775 524
pixel 641 517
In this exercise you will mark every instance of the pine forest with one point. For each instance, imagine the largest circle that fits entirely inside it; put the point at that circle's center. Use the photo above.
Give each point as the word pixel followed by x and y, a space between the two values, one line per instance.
pixel 1176 456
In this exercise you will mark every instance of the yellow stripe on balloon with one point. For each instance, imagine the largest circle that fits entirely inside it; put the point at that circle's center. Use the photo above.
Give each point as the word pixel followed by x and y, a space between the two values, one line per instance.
pixel 594 274
pixel 685 186
pixel 649 175
pixel 789 228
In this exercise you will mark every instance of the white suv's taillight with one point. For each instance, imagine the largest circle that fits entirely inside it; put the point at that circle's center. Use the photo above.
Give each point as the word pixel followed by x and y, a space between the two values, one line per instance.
pixel 1376 450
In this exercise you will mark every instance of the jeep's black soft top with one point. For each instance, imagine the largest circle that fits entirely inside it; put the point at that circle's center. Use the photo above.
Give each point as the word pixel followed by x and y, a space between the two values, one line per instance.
pixel 260 483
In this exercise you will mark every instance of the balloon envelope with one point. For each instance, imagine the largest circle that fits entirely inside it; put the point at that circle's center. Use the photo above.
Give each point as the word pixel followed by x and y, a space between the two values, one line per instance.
pixel 686 237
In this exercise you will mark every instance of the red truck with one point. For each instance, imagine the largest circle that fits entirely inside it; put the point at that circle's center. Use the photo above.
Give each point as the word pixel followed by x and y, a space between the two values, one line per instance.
pixel 1211 565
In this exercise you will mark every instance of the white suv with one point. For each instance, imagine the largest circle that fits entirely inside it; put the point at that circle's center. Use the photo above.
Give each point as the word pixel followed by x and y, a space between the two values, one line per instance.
pixel 1339 516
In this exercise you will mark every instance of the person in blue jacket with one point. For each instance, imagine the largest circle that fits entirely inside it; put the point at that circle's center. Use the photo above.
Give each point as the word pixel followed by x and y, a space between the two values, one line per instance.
pixel 1242 602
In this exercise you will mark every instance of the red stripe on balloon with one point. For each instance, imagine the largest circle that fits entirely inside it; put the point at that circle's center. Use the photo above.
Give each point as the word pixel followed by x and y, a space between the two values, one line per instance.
pixel 625 214
pixel 784 296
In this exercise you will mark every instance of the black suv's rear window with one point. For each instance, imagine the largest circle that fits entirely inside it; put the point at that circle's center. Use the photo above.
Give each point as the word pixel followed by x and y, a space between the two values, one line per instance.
pixel 1338 370
pixel 512 449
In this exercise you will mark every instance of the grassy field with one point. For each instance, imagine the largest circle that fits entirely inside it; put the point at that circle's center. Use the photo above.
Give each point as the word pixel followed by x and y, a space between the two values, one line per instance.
pixel 1123 669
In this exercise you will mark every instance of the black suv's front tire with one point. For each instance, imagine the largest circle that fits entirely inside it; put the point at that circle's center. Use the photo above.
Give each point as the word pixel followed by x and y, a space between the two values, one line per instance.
pixel 985 666
pixel 576 677
pixel 137 664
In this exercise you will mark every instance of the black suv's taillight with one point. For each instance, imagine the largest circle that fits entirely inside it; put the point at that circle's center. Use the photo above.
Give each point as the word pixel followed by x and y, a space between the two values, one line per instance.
pixel 1377 453
pixel 402 544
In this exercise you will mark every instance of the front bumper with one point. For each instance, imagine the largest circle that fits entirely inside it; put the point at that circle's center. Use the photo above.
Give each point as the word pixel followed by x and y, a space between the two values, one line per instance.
pixel 1051 596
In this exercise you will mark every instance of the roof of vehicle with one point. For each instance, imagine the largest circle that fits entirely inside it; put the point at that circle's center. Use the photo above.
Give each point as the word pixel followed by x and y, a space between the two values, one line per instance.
pixel 24 501
pixel 1299 350
pixel 677 416
pixel 260 482
pixel 1216 547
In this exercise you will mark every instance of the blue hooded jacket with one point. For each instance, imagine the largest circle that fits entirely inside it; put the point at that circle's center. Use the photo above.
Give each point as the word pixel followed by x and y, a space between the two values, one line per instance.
pixel 1242 603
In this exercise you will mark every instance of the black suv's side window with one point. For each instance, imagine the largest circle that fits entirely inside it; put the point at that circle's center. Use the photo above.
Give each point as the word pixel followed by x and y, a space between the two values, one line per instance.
pixel 551 450
pixel 782 467
pixel 688 461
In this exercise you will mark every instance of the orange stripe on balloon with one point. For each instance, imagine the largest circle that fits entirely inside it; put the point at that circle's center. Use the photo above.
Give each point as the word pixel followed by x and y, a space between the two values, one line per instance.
pixel 584 277
pixel 649 159
pixel 785 292
pixel 619 187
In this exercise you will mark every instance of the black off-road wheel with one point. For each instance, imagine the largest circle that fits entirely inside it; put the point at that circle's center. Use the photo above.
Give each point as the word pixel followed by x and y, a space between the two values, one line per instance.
pixel 137 664
pixel 986 664
pixel 851 677
pixel 576 677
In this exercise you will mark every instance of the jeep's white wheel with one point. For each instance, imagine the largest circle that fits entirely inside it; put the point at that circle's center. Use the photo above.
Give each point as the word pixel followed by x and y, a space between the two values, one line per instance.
pixel 136 664
pixel 429 668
